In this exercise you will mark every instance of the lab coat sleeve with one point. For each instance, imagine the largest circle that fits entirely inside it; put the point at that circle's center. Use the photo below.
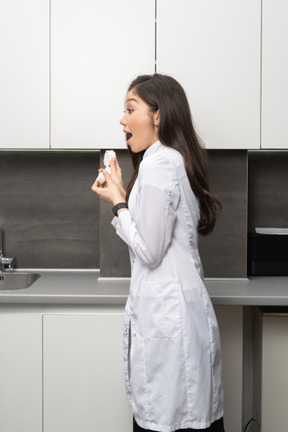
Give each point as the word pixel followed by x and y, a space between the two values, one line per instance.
pixel 150 234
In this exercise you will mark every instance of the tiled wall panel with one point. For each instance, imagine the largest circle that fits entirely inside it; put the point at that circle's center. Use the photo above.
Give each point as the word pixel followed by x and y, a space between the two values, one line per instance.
pixel 224 252
pixel 47 210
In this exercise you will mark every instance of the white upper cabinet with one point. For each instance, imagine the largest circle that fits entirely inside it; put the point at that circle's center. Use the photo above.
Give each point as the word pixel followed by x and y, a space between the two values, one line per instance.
pixel 24 74
pixel 97 48
pixel 213 49
pixel 274 74
pixel 65 67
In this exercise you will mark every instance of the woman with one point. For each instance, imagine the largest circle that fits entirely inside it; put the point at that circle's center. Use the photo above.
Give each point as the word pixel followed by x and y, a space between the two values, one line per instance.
pixel 171 341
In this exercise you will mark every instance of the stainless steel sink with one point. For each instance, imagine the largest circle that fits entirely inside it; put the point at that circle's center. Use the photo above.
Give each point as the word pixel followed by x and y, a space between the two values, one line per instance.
pixel 11 280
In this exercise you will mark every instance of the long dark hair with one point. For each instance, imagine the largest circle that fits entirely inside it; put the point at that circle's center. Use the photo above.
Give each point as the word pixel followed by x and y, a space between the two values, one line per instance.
pixel 176 130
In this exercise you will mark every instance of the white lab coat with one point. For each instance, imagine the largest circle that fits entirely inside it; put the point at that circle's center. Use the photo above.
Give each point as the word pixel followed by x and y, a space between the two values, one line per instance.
pixel 173 369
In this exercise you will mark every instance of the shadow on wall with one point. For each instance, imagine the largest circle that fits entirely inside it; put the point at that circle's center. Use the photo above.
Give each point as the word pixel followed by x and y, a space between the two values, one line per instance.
pixel 224 252
pixel 268 184
pixel 47 210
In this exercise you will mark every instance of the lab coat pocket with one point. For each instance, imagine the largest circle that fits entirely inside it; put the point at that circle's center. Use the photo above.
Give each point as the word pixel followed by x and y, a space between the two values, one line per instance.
pixel 159 309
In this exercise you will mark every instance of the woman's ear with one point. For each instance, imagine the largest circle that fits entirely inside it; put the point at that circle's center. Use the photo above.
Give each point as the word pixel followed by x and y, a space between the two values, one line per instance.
pixel 156 118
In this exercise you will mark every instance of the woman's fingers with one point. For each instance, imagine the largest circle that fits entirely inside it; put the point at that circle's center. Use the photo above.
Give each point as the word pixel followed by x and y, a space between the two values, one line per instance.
pixel 112 189
pixel 116 172
pixel 97 184
pixel 113 166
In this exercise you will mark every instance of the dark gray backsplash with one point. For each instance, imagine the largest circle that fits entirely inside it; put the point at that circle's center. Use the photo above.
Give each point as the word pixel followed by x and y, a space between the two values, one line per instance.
pixel 47 210
pixel 51 218
pixel 224 252
pixel 114 257
pixel 268 186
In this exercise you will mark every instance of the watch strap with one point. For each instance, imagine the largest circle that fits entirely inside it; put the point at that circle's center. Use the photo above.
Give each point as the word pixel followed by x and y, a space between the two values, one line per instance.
pixel 118 207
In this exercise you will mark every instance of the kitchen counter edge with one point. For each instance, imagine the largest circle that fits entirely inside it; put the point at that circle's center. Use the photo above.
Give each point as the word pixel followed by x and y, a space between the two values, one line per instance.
pixel 85 287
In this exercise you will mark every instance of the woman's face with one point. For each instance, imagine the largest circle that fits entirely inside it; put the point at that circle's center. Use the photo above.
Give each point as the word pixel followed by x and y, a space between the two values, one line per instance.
pixel 140 125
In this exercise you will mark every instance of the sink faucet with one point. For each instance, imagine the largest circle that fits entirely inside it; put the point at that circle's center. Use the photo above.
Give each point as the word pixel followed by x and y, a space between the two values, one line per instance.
pixel 5 263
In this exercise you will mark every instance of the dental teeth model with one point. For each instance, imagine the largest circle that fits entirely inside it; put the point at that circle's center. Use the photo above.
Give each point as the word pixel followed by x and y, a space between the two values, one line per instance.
pixel 108 155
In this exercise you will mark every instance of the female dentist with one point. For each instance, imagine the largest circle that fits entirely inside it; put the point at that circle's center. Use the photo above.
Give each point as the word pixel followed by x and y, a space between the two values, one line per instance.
pixel 173 368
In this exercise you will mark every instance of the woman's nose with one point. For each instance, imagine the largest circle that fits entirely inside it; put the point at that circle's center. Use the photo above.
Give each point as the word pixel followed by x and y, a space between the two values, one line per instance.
pixel 123 121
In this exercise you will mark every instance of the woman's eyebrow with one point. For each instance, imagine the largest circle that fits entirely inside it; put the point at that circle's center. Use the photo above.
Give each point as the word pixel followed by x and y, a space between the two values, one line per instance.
pixel 131 100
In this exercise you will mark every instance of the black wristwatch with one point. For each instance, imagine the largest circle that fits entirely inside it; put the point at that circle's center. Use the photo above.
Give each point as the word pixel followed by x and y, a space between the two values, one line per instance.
pixel 118 207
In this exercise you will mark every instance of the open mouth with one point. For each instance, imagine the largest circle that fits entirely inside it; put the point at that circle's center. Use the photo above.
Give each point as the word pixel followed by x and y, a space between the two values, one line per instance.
pixel 128 136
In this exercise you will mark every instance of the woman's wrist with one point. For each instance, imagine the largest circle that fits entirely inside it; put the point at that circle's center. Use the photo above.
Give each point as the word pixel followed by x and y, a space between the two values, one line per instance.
pixel 119 199
pixel 123 192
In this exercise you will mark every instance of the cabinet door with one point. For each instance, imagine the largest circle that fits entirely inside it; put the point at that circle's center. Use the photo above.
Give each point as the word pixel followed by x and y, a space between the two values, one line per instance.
pixel 274 373
pixel 97 49
pixel 213 49
pixel 24 74
pixel 21 373
pixel 83 374
pixel 230 320
pixel 274 74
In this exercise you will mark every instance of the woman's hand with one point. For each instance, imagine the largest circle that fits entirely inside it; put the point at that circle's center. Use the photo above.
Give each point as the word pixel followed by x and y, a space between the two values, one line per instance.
pixel 112 190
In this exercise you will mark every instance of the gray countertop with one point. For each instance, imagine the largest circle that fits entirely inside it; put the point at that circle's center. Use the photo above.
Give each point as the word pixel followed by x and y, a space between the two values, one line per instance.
pixel 84 287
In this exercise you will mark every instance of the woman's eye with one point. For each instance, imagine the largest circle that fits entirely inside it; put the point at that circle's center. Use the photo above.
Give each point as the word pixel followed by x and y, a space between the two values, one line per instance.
pixel 129 110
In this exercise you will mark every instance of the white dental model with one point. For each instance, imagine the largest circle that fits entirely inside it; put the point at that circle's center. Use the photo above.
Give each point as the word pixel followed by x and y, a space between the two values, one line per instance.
pixel 108 155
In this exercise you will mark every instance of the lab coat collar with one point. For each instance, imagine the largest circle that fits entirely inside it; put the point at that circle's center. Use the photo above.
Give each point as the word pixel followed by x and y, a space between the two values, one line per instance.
pixel 152 149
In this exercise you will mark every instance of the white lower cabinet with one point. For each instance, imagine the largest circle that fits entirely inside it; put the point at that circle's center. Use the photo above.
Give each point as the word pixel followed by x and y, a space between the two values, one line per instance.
pixel 21 372
pixel 83 372
pixel 63 371
pixel 272 372
pixel 83 384
pixel 230 321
